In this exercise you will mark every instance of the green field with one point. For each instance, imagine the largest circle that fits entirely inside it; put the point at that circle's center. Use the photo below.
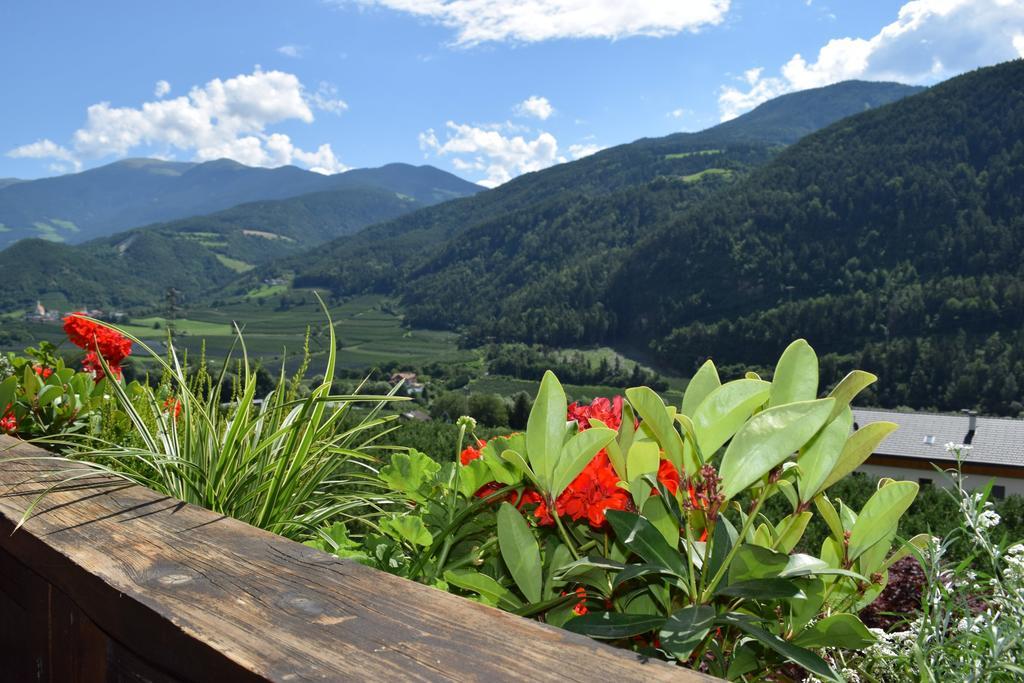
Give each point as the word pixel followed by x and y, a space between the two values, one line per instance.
pixel 508 386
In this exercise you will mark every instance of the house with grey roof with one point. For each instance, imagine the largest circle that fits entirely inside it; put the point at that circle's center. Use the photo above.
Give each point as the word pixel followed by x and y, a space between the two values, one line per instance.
pixel 919 445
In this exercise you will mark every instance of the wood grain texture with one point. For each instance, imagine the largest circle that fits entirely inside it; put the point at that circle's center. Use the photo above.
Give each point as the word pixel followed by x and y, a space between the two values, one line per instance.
pixel 170 591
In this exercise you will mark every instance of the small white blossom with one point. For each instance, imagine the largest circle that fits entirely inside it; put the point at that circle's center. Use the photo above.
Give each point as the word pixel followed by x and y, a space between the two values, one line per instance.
pixel 958 447
pixel 989 519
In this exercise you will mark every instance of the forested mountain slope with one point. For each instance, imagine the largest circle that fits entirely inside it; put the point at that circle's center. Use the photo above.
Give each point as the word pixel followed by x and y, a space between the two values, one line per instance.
pixel 81 206
pixel 194 255
pixel 427 242
pixel 893 239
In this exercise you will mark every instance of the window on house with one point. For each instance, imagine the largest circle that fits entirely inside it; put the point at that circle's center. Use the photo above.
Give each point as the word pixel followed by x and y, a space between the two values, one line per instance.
pixel 999 492
pixel 929 440
pixel 924 481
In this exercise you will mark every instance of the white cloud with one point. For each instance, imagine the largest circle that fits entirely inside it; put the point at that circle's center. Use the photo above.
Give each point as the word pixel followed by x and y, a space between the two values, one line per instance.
pixel 930 40
pixel 487 150
pixel 537 107
pixel 584 150
pixel 326 99
pixel 293 51
pixel 678 113
pixel 46 149
pixel 480 21
pixel 161 88
pixel 224 118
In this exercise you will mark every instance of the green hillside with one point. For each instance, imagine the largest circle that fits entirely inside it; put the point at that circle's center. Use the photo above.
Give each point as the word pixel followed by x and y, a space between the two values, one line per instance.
pixel 519 212
pixel 82 206
pixel 196 255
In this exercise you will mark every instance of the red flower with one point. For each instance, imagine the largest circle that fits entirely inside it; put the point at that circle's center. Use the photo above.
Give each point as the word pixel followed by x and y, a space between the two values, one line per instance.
pixel 469 453
pixel 97 340
pixel 668 475
pixel 172 406
pixel 609 412
pixel 8 423
pixel 581 607
pixel 42 371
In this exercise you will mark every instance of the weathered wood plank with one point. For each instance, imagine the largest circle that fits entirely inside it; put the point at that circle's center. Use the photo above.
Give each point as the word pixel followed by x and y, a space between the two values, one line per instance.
pixel 196 596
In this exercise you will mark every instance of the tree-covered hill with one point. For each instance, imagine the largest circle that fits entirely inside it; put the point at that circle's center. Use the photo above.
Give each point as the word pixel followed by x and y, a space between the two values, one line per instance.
pixel 893 239
pixel 491 226
pixel 82 206
pixel 195 255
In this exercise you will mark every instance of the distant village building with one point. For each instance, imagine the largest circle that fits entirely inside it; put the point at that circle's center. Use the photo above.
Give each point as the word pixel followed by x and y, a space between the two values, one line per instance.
pixel 416 416
pixel 997 448
pixel 409 381
pixel 40 315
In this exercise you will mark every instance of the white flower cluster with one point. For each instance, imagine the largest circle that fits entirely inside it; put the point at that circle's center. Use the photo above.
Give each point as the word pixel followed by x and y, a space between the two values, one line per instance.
pixel 1014 559
pixel 958 447
pixel 6 367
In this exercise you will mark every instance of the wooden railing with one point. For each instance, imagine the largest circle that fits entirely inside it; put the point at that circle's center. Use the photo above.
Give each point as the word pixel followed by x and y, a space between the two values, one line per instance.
pixel 110 582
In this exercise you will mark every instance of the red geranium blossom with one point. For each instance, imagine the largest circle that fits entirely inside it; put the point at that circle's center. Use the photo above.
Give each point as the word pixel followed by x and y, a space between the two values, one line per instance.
pixel 42 371
pixel 173 406
pixel 608 412
pixel 8 423
pixel 97 340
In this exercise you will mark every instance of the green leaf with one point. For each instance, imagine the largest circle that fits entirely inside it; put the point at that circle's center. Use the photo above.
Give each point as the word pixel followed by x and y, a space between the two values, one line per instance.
pixel 612 625
pixel 880 515
pixel 849 387
pixel 545 429
pixel 520 551
pixel 656 418
pixel 819 457
pixel 793 653
pixel 725 410
pixel 756 562
pixel 796 375
pixel 411 528
pixel 473 476
pixel 7 390
pixel 640 536
pixel 802 610
pixel 761 589
pixel 657 513
pixel 408 472
pixel 767 440
pixel 829 514
pixel 703 382
pixel 685 629
pixel 858 448
pixel 485 586
pixel 839 630
pixel 575 455
pixel 790 530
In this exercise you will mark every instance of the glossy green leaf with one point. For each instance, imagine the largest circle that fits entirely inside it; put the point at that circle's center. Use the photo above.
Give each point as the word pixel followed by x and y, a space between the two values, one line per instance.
pixel 545 429
pixel 858 448
pixel 703 382
pixel 761 589
pixel 485 586
pixel 880 515
pixel 790 530
pixel 575 455
pixel 407 472
pixel 849 387
pixel 725 410
pixel 520 551
pixel 819 457
pixel 839 630
pixel 613 626
pixel 684 630
pixel 657 513
pixel 767 440
pixel 643 458
pixel 802 610
pixel 640 536
pixel 796 375
pixel 655 416
pixel 756 562
pixel 793 653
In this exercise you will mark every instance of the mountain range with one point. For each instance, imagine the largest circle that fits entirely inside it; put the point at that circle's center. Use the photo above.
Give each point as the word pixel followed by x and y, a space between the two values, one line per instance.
pixel 78 207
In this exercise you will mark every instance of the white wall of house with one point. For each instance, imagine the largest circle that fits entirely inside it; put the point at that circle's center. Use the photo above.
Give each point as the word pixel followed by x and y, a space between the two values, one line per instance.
pixel 1010 485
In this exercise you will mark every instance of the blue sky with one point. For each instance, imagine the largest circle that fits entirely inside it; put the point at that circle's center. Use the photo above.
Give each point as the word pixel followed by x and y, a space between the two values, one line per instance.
pixel 487 89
